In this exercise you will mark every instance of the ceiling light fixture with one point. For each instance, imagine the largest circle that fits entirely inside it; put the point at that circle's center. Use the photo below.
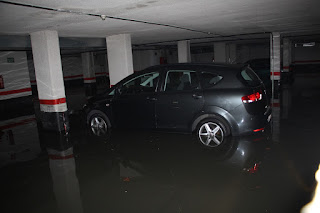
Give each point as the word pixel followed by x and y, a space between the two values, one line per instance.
pixel 103 17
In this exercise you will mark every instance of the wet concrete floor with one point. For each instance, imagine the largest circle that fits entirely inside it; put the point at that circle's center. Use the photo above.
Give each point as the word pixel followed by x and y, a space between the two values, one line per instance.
pixel 136 171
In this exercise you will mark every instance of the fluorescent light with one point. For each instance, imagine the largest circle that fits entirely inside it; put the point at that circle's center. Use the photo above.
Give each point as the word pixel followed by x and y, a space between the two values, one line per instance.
pixel 310 44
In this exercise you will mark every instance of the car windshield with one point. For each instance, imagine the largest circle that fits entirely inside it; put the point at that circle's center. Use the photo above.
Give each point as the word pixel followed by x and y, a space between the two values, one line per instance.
pixel 249 77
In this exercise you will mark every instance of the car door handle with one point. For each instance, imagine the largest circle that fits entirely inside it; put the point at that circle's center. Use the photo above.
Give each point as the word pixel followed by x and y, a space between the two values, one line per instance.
pixel 196 96
pixel 151 98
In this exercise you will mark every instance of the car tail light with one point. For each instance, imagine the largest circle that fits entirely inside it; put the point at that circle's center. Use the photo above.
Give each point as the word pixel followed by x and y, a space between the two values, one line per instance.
pixel 257 96
pixel 258 130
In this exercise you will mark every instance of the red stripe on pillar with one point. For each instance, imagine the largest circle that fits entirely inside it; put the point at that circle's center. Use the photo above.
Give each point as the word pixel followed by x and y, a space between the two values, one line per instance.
pixel 276 104
pixel 53 102
pixel 15 91
pixel 89 78
pixel 73 76
pixel 276 73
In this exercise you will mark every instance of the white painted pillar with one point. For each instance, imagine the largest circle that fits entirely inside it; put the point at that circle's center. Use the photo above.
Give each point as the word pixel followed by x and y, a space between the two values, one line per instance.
pixel 89 75
pixel 286 54
pixel 275 59
pixel 119 57
pixel 232 53
pixel 184 54
pixel 220 54
pixel 49 77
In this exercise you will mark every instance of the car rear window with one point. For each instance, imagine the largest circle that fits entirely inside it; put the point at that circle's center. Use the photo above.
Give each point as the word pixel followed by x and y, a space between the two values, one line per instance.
pixel 249 77
pixel 210 79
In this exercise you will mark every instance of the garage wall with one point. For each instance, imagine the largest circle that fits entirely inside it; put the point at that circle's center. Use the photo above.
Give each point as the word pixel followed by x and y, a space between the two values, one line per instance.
pixel 101 64
pixel 307 54
pixel 72 67
pixel 15 75
pixel 202 57
pixel 246 52
pixel 145 58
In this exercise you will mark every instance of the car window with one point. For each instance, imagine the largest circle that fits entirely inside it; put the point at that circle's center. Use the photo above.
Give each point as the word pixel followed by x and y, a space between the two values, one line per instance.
pixel 140 84
pixel 210 79
pixel 181 80
pixel 249 77
pixel 112 92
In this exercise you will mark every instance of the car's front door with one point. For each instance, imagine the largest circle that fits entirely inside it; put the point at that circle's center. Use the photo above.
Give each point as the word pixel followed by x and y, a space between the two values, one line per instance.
pixel 179 101
pixel 134 104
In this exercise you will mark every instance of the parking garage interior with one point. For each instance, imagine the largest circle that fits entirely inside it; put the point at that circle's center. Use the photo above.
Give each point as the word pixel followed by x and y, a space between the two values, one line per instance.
pixel 55 56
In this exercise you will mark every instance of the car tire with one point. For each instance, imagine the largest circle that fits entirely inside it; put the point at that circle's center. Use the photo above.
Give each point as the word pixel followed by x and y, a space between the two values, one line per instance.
pixel 212 132
pixel 98 123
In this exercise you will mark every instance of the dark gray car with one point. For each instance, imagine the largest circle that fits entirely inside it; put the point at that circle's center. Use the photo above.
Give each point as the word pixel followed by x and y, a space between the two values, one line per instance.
pixel 211 100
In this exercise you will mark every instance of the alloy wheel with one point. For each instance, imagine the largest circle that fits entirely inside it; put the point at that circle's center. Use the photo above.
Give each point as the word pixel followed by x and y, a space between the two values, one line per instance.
pixel 98 126
pixel 211 134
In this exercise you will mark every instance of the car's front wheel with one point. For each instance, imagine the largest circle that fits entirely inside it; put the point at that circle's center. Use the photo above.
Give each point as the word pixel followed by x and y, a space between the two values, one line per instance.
pixel 98 123
pixel 211 133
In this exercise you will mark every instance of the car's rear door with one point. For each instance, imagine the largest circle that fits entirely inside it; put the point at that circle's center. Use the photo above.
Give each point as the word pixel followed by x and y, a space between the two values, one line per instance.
pixel 180 99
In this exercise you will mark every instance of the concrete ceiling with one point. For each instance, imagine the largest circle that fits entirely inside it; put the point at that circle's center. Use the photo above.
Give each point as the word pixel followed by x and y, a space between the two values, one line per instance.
pixel 152 21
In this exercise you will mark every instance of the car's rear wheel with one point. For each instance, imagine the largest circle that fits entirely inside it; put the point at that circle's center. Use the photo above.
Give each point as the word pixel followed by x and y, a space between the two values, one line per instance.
pixel 212 133
pixel 98 123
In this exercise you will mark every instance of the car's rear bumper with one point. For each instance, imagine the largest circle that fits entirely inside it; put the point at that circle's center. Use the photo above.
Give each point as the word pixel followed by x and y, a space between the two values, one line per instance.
pixel 249 124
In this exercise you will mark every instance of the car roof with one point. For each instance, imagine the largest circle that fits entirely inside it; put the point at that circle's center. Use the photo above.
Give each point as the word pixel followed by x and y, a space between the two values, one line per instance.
pixel 220 66
pixel 228 69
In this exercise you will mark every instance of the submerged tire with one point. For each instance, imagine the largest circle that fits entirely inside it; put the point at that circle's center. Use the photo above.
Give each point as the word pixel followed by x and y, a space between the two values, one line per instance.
pixel 99 124
pixel 212 133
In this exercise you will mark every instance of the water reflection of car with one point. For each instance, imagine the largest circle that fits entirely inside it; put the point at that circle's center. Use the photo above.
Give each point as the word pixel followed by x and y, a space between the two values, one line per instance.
pixel 212 100
pixel 167 154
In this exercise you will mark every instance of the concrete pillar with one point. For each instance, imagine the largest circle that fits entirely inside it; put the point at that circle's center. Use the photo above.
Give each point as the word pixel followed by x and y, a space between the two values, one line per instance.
pixel 32 74
pixel 89 76
pixel 119 57
pixel 220 54
pixel 49 77
pixel 275 59
pixel 232 53
pixel 286 56
pixel 184 54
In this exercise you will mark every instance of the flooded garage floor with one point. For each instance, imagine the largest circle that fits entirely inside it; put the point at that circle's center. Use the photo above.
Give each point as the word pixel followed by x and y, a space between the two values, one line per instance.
pixel 134 171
